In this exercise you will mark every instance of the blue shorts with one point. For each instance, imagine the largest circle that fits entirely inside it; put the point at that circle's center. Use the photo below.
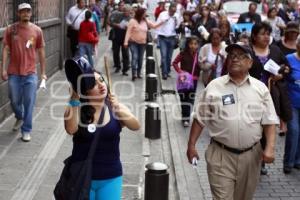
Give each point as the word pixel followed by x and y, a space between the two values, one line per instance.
pixel 109 189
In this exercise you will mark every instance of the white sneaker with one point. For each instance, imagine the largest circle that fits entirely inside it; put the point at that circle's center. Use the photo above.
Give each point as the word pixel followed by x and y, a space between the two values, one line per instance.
pixel 186 123
pixel 17 124
pixel 26 137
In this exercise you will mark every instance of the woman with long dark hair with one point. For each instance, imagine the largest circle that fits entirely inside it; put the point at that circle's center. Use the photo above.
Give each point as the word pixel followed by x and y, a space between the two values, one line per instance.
pixel 92 102
pixel 205 21
pixel 262 53
pixel 136 36
pixel 212 56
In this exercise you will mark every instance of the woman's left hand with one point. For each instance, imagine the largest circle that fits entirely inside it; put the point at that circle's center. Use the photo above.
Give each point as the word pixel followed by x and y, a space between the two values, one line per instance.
pixel 114 102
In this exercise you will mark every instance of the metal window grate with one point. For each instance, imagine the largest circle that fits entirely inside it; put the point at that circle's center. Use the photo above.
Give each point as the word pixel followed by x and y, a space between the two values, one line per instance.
pixel 35 11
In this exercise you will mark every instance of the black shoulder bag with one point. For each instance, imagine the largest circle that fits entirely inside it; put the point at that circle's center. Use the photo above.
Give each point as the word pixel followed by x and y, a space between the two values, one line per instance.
pixel 75 180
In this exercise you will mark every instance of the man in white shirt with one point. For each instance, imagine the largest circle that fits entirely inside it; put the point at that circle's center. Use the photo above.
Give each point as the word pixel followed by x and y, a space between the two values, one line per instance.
pixel 167 37
pixel 74 17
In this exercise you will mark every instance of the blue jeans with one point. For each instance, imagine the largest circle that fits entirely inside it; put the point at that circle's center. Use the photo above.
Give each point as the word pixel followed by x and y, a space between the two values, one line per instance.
pixel 86 49
pixel 166 51
pixel 110 189
pixel 292 141
pixel 22 94
pixel 137 55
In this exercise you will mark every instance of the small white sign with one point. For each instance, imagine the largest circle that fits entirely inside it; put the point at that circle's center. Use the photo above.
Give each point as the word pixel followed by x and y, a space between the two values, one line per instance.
pixel 272 67
pixel 91 128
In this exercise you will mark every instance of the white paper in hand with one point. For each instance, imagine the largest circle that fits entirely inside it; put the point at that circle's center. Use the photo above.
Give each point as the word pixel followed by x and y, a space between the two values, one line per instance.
pixel 43 84
pixel 272 67
pixel 123 24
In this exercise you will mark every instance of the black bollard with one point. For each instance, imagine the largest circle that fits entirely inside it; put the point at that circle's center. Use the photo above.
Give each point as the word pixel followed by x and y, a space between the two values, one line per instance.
pixel 152 121
pixel 150 65
pixel 151 87
pixel 149 49
pixel 156 181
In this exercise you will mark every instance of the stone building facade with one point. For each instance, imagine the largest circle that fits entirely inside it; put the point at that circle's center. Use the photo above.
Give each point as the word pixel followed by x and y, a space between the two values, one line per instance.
pixel 49 15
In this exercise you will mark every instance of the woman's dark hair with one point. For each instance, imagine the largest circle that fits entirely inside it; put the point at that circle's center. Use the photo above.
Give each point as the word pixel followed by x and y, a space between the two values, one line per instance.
pixel 257 28
pixel 290 27
pixel 139 13
pixel 188 40
pixel 87 111
pixel 227 24
pixel 88 15
pixel 212 32
pixel 206 7
pixel 186 13
pixel 270 10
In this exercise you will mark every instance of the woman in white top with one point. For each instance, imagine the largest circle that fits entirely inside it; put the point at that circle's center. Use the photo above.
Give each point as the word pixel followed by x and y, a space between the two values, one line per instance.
pixel 276 23
pixel 212 56
pixel 191 6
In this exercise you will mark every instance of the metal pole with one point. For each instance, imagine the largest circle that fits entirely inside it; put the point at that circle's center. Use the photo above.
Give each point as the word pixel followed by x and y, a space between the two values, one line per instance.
pixel 149 49
pixel 151 87
pixel 150 65
pixel 156 181
pixel 152 121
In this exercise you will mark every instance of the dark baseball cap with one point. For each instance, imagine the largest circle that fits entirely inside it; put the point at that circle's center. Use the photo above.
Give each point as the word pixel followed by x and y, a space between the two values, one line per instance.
pixel 241 46
pixel 80 74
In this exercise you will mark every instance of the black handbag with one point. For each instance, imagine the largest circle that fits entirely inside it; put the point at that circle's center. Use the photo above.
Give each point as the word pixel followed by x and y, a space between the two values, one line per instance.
pixel 75 180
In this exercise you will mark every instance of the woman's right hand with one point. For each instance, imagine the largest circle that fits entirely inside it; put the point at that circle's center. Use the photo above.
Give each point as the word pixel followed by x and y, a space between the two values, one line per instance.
pixel 125 46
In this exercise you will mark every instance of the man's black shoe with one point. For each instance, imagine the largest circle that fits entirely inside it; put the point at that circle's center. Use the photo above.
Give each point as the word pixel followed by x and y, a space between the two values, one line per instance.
pixel 287 170
pixel 165 77
pixel 125 74
pixel 117 70
pixel 297 166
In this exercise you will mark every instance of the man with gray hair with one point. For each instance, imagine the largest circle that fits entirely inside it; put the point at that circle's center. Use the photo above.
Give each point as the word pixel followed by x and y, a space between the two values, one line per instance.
pixel 237 109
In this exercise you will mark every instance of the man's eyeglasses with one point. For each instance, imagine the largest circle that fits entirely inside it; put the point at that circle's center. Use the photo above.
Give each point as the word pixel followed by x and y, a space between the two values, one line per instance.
pixel 238 56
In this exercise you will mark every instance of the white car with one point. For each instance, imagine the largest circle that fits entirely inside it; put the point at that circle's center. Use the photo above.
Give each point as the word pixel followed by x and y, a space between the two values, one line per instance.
pixel 234 8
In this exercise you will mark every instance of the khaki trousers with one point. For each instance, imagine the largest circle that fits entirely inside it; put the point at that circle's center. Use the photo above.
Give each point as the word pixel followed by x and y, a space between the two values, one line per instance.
pixel 232 176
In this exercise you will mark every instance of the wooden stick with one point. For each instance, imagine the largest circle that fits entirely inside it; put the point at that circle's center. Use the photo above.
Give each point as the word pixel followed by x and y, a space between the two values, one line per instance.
pixel 107 74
